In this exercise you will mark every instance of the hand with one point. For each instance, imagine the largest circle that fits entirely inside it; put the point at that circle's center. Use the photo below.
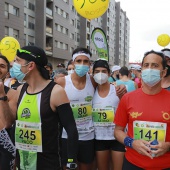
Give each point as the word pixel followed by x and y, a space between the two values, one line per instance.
pixel 161 148
pixel 120 90
pixel 142 147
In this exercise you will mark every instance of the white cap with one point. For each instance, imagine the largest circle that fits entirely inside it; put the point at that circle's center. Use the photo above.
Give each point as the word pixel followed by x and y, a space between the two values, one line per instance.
pixel 115 68
pixel 137 67
pixel 131 66
pixel 166 53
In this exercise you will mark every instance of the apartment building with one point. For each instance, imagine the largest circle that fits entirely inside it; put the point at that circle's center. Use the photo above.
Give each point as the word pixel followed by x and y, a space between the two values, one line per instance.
pixel 55 26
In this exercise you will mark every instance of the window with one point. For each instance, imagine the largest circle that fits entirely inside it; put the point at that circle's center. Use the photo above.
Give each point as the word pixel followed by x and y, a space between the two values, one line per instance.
pixel 31 6
pixel 65 47
pixel 61 45
pixel 16 33
pixel 31 40
pixel 25 20
pixel 65 31
pixel 6 31
pixel 78 37
pixel 25 3
pixel 6 10
pixel 31 22
pixel 16 11
pixel 88 36
pixel 72 22
pixel 72 8
pixel 72 36
pixel 6 7
pixel 71 49
pixel 78 24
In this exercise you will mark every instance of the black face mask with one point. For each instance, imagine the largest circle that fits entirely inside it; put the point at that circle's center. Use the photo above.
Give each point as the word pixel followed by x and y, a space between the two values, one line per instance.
pixel 168 71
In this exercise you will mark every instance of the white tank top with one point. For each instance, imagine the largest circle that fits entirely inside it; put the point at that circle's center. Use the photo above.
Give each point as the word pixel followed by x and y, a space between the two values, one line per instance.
pixel 81 103
pixel 103 114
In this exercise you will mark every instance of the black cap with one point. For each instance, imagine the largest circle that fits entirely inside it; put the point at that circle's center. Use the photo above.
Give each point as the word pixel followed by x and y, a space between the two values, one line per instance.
pixel 101 63
pixel 33 53
pixel 49 65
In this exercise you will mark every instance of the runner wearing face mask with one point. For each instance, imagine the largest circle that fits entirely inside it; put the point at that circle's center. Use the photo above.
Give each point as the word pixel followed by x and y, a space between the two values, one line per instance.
pixel 70 67
pixel 105 102
pixel 146 112
pixel 80 87
pixel 40 111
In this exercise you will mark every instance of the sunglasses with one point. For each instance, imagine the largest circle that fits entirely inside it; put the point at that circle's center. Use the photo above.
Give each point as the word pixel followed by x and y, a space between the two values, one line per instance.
pixel 20 51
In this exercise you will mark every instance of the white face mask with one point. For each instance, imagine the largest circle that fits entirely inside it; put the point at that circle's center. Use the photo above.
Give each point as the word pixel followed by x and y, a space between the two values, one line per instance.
pixel 100 78
pixel 70 72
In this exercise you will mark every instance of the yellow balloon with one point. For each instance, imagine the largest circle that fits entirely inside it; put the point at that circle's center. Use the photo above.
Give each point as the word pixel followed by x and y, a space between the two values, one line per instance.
pixel 8 47
pixel 91 9
pixel 163 40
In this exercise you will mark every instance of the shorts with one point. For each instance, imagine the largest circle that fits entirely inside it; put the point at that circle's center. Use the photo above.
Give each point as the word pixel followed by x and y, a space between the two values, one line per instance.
pixel 85 151
pixel 102 145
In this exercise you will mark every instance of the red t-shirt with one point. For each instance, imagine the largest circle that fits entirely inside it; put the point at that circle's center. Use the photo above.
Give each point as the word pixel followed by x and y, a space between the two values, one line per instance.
pixel 138 106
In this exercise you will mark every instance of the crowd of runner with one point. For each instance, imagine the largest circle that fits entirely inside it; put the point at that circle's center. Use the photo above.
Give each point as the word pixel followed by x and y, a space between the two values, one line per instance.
pixel 84 116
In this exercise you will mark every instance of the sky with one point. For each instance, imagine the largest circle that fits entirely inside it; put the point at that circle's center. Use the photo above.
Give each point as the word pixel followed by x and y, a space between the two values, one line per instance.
pixel 148 20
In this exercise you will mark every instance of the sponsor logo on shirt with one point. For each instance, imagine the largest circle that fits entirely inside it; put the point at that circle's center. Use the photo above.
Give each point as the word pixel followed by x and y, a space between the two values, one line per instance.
pixel 26 113
pixel 166 116
pixel 88 98
pixel 135 114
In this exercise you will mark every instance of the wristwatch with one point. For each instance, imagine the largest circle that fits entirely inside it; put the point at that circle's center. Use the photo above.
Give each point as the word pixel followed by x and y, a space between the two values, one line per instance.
pixel 4 98
pixel 71 165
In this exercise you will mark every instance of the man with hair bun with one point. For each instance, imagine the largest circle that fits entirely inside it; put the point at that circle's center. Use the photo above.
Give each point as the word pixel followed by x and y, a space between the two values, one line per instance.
pixel 43 109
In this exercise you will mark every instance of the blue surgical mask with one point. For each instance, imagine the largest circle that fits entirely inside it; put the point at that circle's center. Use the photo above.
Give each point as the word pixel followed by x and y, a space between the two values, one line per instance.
pixel 17 73
pixel 132 75
pixel 11 72
pixel 151 76
pixel 81 70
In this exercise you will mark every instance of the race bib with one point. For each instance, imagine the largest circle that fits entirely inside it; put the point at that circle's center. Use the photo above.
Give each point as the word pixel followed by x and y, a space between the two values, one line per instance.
pixel 83 117
pixel 103 117
pixel 81 110
pixel 149 130
pixel 28 136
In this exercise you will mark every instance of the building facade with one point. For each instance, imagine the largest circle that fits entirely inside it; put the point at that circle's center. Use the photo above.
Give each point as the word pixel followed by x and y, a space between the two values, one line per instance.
pixel 55 26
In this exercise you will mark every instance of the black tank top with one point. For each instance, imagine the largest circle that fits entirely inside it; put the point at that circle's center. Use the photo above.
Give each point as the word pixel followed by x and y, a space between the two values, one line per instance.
pixel 49 158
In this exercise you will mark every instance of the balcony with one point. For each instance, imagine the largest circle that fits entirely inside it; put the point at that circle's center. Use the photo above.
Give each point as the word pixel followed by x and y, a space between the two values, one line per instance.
pixel 49 13
pixel 49 50
pixel 49 30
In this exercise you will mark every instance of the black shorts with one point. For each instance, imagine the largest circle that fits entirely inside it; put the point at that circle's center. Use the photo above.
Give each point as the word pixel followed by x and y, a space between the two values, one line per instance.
pixel 85 151
pixel 102 145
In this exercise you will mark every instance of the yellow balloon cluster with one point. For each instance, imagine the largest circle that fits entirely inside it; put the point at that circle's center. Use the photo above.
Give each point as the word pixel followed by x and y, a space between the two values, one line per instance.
pixel 8 47
pixel 91 9
pixel 163 40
